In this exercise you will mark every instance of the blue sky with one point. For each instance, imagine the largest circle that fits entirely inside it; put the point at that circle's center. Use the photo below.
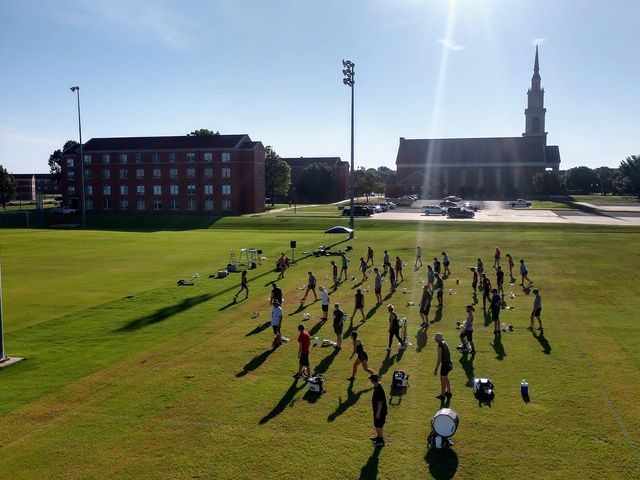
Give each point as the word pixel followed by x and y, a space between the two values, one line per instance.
pixel 272 69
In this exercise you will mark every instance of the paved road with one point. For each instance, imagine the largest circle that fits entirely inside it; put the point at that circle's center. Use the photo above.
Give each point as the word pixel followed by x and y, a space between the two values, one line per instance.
pixel 496 212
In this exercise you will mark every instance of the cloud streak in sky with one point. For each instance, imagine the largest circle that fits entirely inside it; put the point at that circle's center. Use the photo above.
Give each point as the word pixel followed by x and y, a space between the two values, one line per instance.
pixel 450 44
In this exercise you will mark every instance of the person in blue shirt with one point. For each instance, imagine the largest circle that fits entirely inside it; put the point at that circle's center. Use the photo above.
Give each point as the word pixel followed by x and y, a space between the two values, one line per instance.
pixel 523 273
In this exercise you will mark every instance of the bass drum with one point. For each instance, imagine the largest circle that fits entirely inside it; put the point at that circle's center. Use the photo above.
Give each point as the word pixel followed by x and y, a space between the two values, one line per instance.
pixel 445 422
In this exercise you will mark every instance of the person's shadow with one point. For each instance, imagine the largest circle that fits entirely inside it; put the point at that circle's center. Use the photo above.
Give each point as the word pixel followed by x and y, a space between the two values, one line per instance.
pixel 466 360
pixel 351 400
pixel 498 347
pixel 442 463
pixel 255 362
pixel 421 339
pixel 546 347
pixel 287 399
pixel 300 308
pixel 438 315
pixel 474 298
pixel 372 311
pixel 316 328
pixel 390 360
pixel 326 362
pixel 370 469
pixel 258 329
pixel 487 317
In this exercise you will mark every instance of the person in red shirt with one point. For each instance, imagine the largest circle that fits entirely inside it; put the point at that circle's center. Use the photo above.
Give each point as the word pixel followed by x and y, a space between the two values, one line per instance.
pixel 304 344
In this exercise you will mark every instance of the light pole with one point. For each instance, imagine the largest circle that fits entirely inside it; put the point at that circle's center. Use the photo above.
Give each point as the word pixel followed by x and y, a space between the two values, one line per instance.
pixel 82 207
pixel 349 80
pixel 3 357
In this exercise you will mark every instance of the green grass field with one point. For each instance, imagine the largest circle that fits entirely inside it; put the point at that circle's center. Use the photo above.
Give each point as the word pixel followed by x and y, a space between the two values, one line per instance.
pixel 129 376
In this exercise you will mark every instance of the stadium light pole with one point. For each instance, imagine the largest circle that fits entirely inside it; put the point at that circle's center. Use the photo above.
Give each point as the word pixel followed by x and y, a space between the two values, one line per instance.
pixel 76 89
pixel 3 357
pixel 349 80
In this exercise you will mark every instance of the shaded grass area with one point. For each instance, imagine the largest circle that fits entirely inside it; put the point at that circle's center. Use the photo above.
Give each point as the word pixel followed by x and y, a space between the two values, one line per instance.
pixel 138 378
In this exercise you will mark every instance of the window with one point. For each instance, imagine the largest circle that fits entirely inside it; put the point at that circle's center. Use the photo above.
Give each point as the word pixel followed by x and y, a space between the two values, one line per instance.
pixel 516 178
pixel 535 125
pixel 191 204
pixel 70 162
pixel 124 190
pixel 226 157
pixel 106 173
pixel 88 204
pixel 208 157
pixel 498 178
pixel 88 190
pixel 191 189
pixel 208 205
pixel 139 157
pixel 157 189
pixel 173 157
pixel 480 177
pixel 124 173
pixel 140 173
pixel 226 173
pixel 155 157
pixel 174 204
pixel 88 173
pixel 157 204
pixel 124 204
pixel 106 203
pixel 139 189
pixel 123 158
pixel 191 172
pixel 71 175
pixel 87 159
pixel 226 204
pixel 208 173
pixel 106 189
pixel 191 157
pixel 463 177
pixel 140 205
pixel 106 158
pixel 226 189
pixel 71 189
pixel 208 189
pixel 173 189
pixel 157 173
pixel 173 173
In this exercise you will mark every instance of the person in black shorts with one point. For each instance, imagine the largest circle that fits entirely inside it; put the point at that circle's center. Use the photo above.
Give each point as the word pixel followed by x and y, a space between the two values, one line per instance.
pixel 486 291
pixel 394 326
pixel 436 265
pixel 445 364
pixel 276 295
pixel 379 406
pixel 359 305
pixel 338 324
pixel 425 305
pixel 362 358
pixel 244 285
pixel 495 305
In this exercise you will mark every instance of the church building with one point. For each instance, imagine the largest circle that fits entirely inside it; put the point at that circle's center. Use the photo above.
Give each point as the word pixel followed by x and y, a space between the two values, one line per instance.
pixel 497 167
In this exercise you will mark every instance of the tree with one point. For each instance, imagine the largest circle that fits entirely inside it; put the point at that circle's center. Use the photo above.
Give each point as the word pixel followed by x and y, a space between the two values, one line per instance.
pixel 7 187
pixel 630 169
pixel 55 160
pixel 203 132
pixel 277 175
pixel 316 183
pixel 368 181
pixel 583 179
pixel 546 183
pixel 605 179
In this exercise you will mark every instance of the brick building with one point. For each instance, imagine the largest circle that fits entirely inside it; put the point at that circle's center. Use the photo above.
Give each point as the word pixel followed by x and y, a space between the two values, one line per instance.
pixel 480 167
pixel 28 185
pixel 219 174
pixel 339 170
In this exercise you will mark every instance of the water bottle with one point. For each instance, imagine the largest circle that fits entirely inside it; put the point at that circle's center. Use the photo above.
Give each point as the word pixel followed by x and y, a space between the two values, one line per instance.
pixel 316 340
pixel 503 327
pixel 524 387
pixel 450 291
pixel 410 304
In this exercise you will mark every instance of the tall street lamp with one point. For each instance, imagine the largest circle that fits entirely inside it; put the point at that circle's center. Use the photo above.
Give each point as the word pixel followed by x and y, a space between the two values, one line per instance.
pixel 82 208
pixel 349 80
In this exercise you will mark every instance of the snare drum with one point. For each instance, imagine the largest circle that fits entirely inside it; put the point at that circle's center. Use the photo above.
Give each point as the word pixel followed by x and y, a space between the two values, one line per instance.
pixel 445 422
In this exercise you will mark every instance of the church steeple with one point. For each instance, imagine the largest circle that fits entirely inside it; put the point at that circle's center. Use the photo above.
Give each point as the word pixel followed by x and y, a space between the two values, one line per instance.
pixel 534 114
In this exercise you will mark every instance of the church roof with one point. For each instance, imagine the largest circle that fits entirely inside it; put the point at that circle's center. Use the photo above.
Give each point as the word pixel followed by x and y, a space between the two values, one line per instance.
pixel 461 151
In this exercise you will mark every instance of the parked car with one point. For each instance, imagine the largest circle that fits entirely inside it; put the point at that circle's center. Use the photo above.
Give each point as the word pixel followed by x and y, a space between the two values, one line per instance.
pixel 433 210
pixel 391 205
pixel 448 203
pixel 358 211
pixel 460 212
pixel 380 207
pixel 452 198
pixel 64 210
pixel 519 203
